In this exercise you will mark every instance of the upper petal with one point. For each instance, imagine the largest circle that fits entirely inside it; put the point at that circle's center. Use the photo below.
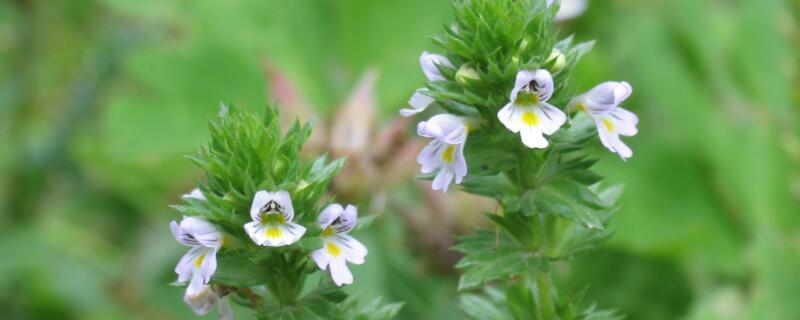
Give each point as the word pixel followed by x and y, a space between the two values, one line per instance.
pixel 260 199
pixel 285 201
pixel 446 127
pixel 524 77
pixel 329 214
pixel 429 62
pixel 205 233
pixel 346 221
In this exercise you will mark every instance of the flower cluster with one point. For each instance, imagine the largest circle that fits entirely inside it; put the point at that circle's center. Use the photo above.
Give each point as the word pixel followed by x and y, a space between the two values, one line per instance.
pixel 272 226
pixel 527 113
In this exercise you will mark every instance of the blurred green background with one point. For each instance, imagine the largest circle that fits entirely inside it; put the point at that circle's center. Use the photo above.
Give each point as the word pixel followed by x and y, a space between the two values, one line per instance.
pixel 101 99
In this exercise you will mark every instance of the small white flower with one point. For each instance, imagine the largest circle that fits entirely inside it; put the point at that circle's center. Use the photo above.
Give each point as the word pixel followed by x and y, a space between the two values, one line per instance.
pixel 569 9
pixel 197 265
pixel 430 63
pixel 206 299
pixel 602 104
pixel 272 225
pixel 446 151
pixel 421 99
pixel 194 194
pixel 338 247
pixel 528 112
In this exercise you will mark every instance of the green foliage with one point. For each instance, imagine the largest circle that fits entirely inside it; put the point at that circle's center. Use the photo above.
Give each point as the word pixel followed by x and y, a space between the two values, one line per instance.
pixel 490 256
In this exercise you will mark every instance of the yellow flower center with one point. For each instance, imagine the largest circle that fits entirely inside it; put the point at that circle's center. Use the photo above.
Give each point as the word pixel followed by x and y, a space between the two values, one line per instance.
pixel 525 98
pixel 333 249
pixel 447 155
pixel 581 106
pixel 608 124
pixel 530 118
pixel 199 260
pixel 328 232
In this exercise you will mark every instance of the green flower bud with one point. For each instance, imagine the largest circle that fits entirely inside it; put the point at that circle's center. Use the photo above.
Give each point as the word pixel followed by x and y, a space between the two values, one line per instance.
pixel 557 59
pixel 466 72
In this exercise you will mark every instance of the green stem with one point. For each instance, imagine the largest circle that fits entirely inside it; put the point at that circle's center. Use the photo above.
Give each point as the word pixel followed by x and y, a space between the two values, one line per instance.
pixel 547 310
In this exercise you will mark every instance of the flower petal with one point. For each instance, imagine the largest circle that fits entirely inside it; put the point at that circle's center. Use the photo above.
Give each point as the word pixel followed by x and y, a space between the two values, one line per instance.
pixel 429 62
pixel 550 118
pixel 445 127
pixel 329 214
pixel 460 164
pixel 339 272
pixel 443 179
pixel 609 136
pixel 430 156
pixel 524 77
pixel 279 235
pixel 625 121
pixel 260 199
pixel 195 194
pixel 255 230
pixel 202 231
pixel 285 201
pixel 532 137
pixel 509 118
pixel 321 257
pixel 347 221
pixel 352 249
pixel 203 301
pixel 419 102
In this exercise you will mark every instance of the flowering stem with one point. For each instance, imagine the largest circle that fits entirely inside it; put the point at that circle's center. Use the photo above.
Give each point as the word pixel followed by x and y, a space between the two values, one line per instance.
pixel 546 306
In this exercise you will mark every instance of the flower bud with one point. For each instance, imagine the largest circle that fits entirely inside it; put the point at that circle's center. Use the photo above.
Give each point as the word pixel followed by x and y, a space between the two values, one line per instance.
pixel 466 72
pixel 557 59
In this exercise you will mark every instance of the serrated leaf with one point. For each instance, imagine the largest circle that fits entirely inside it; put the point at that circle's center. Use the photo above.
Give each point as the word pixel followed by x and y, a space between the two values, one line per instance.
pixel 235 270
pixel 569 199
pixel 489 256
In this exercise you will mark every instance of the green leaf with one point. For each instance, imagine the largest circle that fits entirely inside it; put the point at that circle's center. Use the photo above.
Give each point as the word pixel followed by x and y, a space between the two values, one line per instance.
pixel 569 199
pixel 489 256
pixel 233 269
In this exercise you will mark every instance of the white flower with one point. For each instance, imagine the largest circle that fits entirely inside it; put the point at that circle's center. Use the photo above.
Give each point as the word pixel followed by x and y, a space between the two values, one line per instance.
pixel 272 225
pixel 602 104
pixel 569 9
pixel 528 112
pixel 194 194
pixel 200 262
pixel 420 100
pixel 204 300
pixel 446 151
pixel 338 247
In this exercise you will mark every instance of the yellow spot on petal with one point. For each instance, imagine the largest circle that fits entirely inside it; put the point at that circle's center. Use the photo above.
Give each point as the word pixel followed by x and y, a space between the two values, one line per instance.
pixel 273 232
pixel 333 249
pixel 530 118
pixel 328 232
pixel 608 124
pixel 447 155
pixel 199 260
